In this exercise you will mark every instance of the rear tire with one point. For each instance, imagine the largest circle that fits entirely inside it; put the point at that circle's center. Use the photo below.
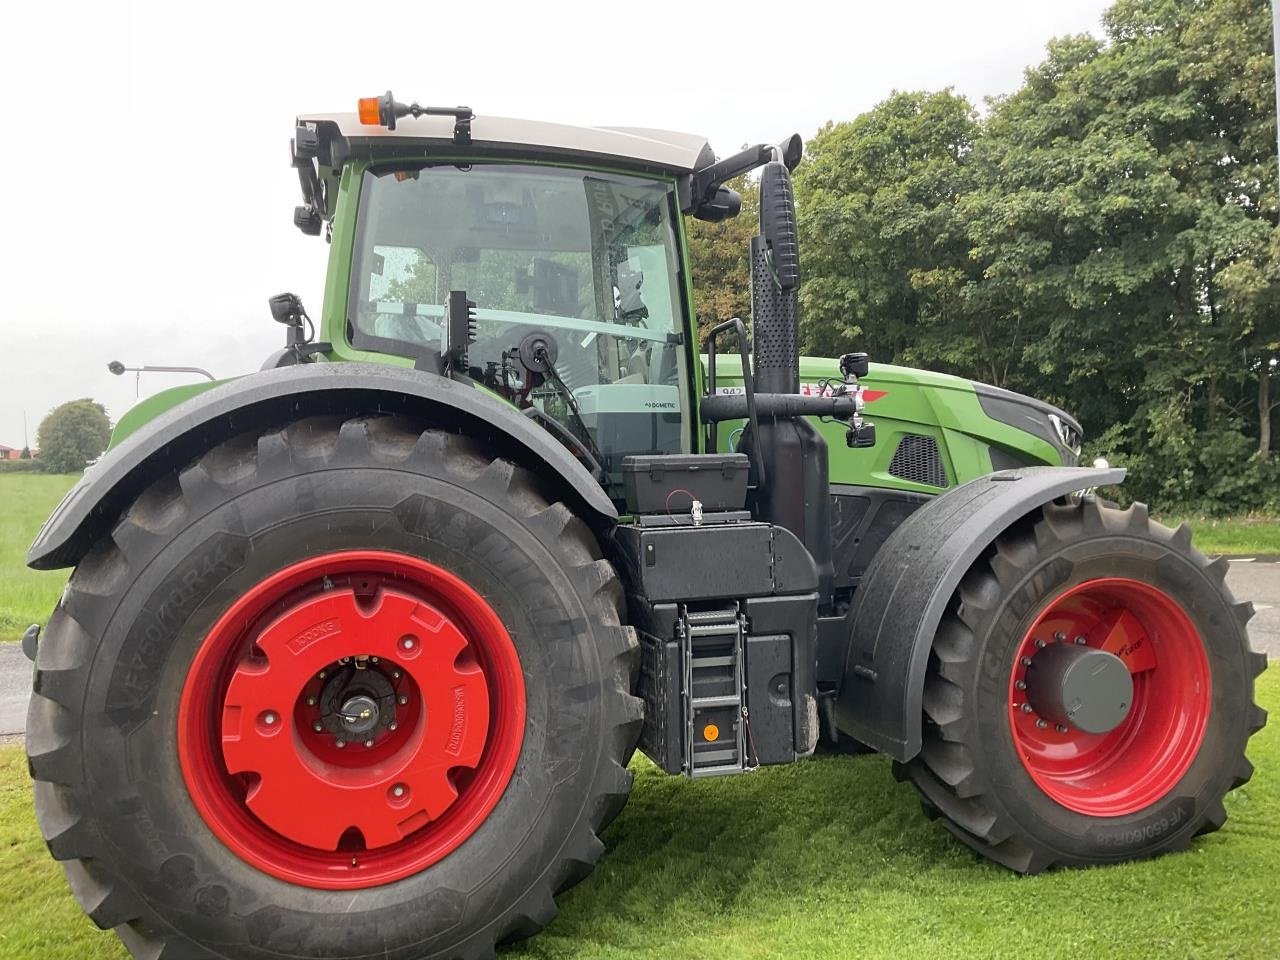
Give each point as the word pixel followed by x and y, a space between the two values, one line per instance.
pixel 113 797
pixel 993 771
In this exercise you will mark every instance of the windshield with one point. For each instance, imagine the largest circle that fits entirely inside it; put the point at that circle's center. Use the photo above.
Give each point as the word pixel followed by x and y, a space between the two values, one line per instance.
pixel 588 260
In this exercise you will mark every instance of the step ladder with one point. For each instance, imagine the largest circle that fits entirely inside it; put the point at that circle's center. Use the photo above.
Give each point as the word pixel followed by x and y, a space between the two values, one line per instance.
pixel 711 649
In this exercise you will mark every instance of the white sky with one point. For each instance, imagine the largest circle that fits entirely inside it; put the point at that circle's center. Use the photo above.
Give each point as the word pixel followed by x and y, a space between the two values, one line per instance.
pixel 146 143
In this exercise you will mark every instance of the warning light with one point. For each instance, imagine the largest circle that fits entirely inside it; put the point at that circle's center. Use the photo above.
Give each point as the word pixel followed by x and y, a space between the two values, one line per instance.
pixel 370 115
pixel 710 732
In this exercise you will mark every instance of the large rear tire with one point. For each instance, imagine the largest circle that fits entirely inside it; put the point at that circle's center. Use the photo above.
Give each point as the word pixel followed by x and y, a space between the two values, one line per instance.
pixel 215 795
pixel 1024 785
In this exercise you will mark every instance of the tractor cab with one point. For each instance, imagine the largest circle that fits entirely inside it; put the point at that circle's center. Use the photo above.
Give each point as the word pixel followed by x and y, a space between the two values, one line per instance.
pixel 567 243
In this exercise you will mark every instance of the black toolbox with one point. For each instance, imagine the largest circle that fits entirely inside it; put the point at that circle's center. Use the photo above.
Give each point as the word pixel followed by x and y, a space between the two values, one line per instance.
pixel 669 483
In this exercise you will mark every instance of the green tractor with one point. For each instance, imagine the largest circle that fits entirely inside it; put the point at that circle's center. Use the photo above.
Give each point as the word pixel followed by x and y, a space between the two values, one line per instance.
pixel 357 648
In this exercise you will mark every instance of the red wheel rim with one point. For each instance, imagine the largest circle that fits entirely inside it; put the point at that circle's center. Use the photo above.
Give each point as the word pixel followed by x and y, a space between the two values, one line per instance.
pixel 351 719
pixel 1126 769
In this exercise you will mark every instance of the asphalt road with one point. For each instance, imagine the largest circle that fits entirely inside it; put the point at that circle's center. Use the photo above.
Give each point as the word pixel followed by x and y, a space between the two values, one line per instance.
pixel 1256 581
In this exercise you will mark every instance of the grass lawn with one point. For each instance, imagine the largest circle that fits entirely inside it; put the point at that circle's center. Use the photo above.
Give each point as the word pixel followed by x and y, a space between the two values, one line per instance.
pixel 1250 535
pixel 26 596
pixel 827 858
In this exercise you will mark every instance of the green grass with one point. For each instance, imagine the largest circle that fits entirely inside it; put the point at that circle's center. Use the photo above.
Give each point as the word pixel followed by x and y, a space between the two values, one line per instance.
pixel 1248 535
pixel 826 858
pixel 26 596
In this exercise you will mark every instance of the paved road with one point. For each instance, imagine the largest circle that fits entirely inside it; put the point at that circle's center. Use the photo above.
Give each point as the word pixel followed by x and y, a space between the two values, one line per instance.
pixel 1259 582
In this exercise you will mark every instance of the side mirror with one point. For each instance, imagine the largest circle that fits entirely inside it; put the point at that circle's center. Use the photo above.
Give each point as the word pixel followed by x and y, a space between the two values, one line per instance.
pixel 778 224
pixel 723 205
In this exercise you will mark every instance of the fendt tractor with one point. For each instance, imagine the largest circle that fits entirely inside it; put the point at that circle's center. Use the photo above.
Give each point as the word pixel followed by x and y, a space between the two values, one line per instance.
pixel 358 647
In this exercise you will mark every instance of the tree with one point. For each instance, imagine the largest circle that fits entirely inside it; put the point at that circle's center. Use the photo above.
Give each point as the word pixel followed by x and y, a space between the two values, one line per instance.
pixel 1124 218
pixel 25 454
pixel 883 249
pixel 73 434
pixel 720 254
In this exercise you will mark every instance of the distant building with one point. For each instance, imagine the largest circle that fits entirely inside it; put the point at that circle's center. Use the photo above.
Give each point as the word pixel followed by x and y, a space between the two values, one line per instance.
pixel 9 453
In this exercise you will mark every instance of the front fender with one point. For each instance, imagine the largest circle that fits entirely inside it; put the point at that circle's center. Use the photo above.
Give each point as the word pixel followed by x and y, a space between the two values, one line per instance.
pixel 908 585
pixel 262 400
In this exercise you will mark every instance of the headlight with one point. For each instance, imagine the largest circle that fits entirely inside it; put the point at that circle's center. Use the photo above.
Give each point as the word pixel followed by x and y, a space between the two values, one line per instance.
pixel 1067 434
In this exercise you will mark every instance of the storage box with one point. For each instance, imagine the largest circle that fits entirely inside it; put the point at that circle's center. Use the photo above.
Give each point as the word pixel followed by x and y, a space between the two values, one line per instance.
pixel 670 483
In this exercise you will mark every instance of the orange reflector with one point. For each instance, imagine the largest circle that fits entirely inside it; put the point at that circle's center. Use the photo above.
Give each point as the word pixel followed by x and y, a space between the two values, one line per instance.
pixel 710 732
pixel 369 114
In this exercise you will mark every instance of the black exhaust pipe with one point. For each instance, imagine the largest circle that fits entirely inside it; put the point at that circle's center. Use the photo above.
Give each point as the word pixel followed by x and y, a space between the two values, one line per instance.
pixel 797 494
pixel 775 278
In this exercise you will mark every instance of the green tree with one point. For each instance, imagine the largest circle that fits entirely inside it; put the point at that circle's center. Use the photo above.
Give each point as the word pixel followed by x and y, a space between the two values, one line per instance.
pixel 73 434
pixel 720 255
pixel 1124 220
pixel 883 248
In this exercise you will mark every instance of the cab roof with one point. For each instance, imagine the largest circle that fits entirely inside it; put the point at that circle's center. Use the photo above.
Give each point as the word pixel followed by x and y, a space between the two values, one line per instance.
pixel 662 151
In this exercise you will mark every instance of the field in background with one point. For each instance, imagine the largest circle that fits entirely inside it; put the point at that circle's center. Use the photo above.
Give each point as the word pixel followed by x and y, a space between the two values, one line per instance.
pixel 26 596
pixel 826 858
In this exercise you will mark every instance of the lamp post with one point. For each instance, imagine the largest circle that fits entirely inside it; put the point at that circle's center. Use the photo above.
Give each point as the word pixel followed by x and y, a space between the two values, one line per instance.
pixel 119 369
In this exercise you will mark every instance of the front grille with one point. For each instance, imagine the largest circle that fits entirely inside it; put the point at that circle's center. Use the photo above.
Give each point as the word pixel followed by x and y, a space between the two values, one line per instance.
pixel 917 459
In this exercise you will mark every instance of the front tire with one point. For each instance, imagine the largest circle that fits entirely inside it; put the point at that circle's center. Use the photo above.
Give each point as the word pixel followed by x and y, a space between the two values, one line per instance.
pixel 1030 787
pixel 191 774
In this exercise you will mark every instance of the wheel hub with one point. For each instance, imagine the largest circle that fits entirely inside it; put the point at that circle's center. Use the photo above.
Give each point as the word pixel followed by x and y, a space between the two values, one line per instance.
pixel 1081 686
pixel 352 719
pixel 1109 696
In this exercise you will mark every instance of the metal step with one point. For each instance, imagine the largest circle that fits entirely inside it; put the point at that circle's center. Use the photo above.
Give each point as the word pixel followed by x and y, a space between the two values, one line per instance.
pixel 712 644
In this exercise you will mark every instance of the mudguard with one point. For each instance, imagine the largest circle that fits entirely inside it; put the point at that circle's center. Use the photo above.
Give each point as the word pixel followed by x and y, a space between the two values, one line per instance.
pixel 261 400
pixel 908 585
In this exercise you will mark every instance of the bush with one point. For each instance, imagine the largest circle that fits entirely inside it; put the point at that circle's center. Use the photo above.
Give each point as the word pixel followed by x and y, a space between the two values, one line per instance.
pixel 21 466
pixel 72 435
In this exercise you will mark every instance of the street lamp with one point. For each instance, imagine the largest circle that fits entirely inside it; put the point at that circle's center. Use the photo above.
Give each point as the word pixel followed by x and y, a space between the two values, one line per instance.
pixel 119 369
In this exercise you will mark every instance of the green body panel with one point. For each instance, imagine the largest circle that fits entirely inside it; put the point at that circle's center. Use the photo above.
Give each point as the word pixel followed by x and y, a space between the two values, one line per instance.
pixel 916 402
pixel 150 408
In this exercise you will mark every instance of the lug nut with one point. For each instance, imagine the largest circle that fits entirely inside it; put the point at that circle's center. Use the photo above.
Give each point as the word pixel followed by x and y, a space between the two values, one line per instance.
pixel 402 699
pixel 339 744
pixel 395 674
pixel 1026 708
pixel 1081 641
pixel 322 675
pixel 318 727
pixel 368 743
pixel 1040 643
pixel 1026 661
pixel 1060 636
pixel 373 659
pixel 1021 684
pixel 1061 728
pixel 1041 724
pixel 393 725
pixel 311 701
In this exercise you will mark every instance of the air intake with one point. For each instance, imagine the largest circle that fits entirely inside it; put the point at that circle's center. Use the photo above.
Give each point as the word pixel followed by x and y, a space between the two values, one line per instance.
pixel 917 459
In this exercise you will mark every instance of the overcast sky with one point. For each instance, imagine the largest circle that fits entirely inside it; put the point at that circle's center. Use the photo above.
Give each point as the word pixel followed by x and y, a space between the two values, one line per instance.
pixel 146 144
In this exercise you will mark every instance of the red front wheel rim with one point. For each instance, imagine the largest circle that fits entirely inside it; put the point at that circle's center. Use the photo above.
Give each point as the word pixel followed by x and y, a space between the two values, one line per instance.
pixel 1129 768
pixel 351 719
